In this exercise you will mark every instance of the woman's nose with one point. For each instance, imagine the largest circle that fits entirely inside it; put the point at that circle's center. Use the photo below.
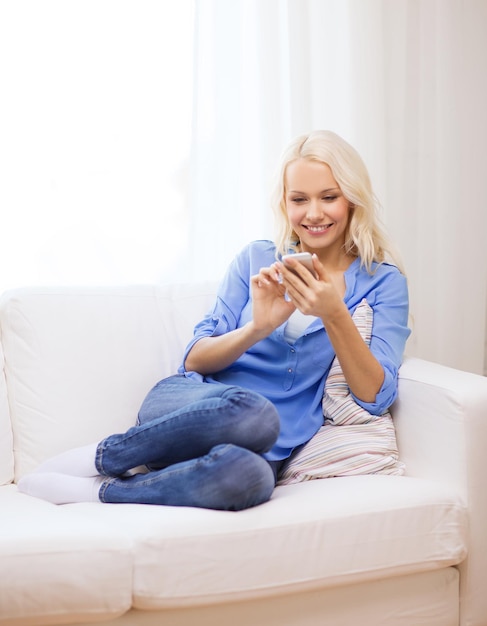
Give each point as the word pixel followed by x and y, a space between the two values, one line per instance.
pixel 314 210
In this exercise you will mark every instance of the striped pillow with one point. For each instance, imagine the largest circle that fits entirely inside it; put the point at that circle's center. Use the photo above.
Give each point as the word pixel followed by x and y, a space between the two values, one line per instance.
pixel 352 441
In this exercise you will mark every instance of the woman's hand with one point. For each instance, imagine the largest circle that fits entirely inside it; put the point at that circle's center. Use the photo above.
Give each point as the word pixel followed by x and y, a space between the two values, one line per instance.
pixel 270 308
pixel 321 296
pixel 312 295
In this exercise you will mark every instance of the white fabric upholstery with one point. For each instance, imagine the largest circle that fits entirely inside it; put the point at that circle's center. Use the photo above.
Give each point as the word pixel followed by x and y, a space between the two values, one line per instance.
pixel 441 427
pixel 79 364
pixel 388 549
pixel 81 361
pixel 424 599
pixel 55 563
pixel 306 533
pixel 6 441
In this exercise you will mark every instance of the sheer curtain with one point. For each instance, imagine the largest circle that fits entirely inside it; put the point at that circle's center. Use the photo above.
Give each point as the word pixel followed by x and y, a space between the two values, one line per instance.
pixel 405 83
pixel 136 149
pixel 262 74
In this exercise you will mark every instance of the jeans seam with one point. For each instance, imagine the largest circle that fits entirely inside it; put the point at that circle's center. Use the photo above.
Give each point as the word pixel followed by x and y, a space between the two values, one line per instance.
pixel 99 459
pixel 103 488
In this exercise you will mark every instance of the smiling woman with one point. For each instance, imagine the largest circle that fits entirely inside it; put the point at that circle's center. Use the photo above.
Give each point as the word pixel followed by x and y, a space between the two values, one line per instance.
pixel 94 147
pixel 324 203
pixel 317 210
pixel 249 389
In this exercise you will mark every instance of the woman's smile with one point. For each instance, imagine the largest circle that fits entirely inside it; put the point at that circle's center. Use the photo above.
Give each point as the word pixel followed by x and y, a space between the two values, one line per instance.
pixel 318 230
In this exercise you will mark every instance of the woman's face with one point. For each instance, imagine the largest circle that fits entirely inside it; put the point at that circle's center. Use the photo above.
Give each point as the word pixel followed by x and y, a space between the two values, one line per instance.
pixel 316 208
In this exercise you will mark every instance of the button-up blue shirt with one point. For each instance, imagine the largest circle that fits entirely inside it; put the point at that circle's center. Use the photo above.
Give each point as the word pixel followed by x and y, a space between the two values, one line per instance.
pixel 292 376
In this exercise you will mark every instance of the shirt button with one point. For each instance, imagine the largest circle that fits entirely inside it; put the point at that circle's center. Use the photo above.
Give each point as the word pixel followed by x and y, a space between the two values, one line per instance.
pixel 290 370
pixel 293 350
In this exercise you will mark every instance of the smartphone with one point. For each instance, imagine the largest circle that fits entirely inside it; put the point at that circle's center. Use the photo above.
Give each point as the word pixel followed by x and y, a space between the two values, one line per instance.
pixel 303 257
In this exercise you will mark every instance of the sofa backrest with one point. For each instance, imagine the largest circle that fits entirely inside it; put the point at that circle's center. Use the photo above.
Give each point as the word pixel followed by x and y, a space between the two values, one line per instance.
pixel 6 442
pixel 79 362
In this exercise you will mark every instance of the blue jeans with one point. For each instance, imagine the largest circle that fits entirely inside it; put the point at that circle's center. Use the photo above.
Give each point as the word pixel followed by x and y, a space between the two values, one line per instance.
pixel 202 443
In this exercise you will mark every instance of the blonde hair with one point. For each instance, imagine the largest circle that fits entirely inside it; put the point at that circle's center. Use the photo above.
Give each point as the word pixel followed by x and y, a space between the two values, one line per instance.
pixel 365 235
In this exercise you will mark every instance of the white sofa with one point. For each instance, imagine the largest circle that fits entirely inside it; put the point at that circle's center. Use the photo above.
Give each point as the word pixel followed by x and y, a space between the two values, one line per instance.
pixel 371 550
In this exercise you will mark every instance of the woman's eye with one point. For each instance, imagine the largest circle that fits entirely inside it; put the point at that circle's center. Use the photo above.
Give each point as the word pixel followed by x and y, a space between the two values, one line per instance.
pixel 330 198
pixel 298 200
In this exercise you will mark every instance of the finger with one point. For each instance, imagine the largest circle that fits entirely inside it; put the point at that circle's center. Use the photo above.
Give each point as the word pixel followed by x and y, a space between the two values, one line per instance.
pixel 275 273
pixel 319 268
pixel 296 289
pixel 259 280
pixel 295 272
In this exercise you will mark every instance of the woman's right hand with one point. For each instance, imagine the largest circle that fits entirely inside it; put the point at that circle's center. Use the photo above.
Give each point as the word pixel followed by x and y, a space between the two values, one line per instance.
pixel 270 308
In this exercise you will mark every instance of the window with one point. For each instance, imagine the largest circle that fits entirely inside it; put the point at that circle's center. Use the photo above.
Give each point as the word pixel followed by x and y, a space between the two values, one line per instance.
pixel 95 131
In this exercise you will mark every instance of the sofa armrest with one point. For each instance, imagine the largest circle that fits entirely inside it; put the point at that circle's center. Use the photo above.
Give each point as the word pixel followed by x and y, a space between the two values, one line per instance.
pixel 441 425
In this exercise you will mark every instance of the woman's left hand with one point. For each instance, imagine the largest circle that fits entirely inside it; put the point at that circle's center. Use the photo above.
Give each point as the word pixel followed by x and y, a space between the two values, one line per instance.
pixel 312 295
pixel 319 295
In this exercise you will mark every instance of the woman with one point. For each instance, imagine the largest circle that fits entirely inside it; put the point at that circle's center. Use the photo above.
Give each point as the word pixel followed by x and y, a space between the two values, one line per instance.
pixel 248 393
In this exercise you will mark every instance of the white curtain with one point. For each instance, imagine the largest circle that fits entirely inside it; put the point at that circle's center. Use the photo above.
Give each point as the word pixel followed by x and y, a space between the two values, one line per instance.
pixel 263 73
pixel 95 132
pixel 405 82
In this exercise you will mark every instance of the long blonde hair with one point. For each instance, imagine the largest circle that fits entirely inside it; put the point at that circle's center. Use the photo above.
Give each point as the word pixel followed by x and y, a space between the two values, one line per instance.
pixel 366 237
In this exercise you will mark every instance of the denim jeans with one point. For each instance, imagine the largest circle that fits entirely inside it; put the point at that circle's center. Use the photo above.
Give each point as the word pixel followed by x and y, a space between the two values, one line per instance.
pixel 202 443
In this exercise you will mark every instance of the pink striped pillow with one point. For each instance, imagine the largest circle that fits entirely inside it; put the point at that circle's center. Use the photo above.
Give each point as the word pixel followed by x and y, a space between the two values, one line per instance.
pixel 352 440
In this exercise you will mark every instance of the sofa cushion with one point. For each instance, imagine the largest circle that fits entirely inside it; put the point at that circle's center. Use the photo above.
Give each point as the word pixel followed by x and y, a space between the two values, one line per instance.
pixel 324 532
pixel 6 440
pixel 56 564
pixel 80 362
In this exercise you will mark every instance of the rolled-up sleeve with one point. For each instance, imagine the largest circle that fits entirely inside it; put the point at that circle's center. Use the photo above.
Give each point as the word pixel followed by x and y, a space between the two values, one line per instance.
pixel 215 323
pixel 390 304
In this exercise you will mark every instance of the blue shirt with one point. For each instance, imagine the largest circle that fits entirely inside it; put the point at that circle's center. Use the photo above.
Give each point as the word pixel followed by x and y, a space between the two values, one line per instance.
pixel 292 376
